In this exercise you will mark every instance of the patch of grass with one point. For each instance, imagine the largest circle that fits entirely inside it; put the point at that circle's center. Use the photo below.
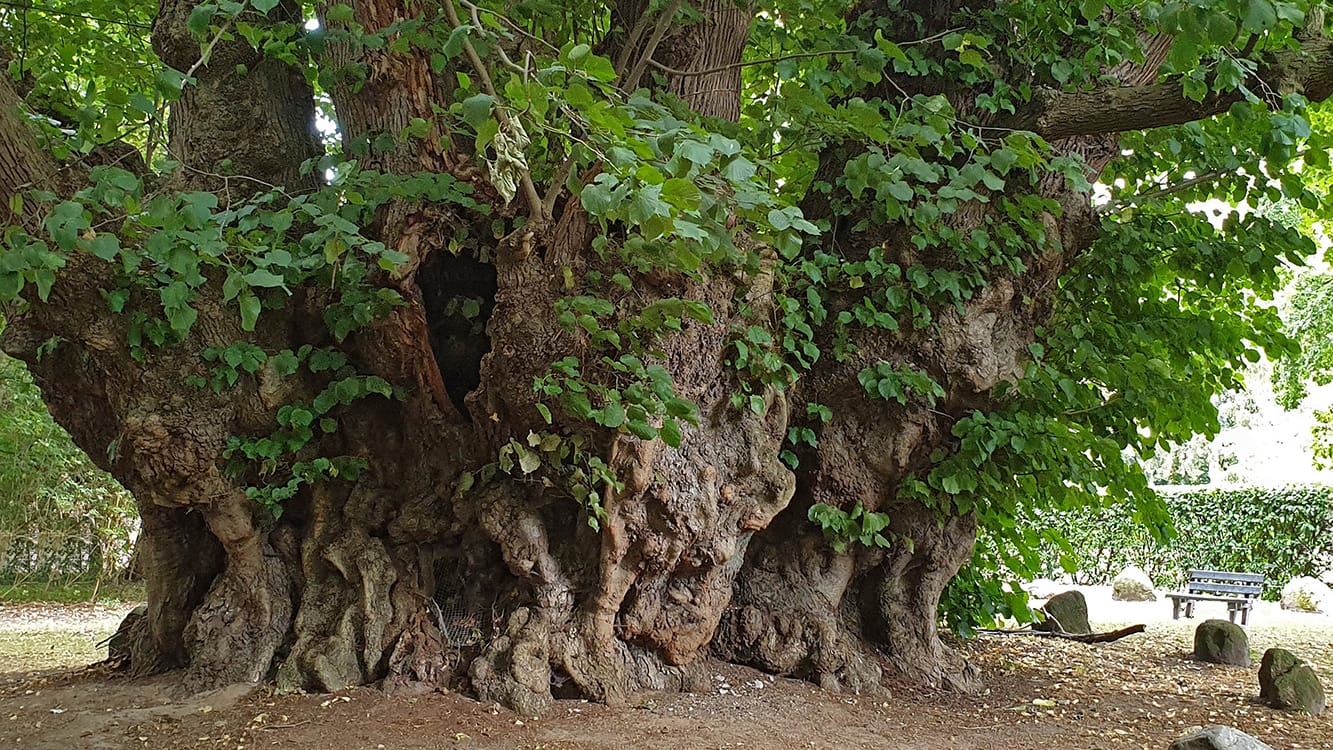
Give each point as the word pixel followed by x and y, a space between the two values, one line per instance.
pixel 51 649
pixel 70 592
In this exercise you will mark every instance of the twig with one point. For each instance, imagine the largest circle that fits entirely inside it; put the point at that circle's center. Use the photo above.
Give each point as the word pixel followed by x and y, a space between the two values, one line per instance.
pixel 1169 189
pixel 208 51
pixel 792 56
pixel 529 190
pixel 747 63
pixel 499 48
pixel 663 23
pixel 557 186
pixel 474 8
pixel 634 36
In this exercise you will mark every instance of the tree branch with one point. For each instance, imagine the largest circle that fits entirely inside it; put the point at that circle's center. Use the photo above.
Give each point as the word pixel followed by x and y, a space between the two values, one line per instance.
pixel 783 58
pixel 1209 176
pixel 24 165
pixel 663 23
pixel 1112 635
pixel 1062 114
pixel 530 195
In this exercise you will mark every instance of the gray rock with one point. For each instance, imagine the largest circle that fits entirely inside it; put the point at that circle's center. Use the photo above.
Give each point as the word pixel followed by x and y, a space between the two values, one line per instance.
pixel 1287 682
pixel 1221 642
pixel 1219 738
pixel 1133 585
pixel 1305 594
pixel 1067 612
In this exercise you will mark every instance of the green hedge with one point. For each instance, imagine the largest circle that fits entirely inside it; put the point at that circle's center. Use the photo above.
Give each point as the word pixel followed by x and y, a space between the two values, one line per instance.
pixel 1282 532
pixel 62 519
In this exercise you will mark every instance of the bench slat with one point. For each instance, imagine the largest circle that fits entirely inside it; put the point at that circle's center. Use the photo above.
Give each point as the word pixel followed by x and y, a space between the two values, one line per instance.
pixel 1224 588
pixel 1231 600
pixel 1226 575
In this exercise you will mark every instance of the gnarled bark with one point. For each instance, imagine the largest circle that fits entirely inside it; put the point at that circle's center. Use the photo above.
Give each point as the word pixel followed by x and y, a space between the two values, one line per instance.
pixel 434 567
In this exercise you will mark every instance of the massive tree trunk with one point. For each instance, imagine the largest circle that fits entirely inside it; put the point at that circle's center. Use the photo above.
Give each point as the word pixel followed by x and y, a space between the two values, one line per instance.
pixel 436 565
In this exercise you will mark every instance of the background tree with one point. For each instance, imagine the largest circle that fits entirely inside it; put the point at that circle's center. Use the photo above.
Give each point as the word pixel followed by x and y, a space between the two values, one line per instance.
pixel 603 335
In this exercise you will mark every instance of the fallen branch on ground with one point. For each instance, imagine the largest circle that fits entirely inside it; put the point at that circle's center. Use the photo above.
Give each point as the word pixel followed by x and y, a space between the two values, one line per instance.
pixel 1112 635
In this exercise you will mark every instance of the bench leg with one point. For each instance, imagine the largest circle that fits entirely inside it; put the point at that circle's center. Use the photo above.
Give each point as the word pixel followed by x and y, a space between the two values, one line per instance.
pixel 1245 616
pixel 1175 609
pixel 1231 615
pixel 1189 610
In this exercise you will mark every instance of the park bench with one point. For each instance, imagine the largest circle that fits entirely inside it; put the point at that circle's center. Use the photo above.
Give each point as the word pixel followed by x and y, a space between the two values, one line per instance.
pixel 1238 590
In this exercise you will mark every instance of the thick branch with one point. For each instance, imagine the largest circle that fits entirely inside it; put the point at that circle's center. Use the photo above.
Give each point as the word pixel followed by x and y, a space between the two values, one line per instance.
pixel 1106 637
pixel 244 115
pixel 24 165
pixel 1059 114
pixel 663 23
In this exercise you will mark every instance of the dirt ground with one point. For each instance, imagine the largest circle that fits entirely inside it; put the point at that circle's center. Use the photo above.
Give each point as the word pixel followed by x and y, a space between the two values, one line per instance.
pixel 1139 692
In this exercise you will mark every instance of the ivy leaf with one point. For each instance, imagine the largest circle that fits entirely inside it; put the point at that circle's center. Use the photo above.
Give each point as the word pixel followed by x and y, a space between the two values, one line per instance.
pixel 477 109
pixel 105 246
pixel 683 194
pixel 284 363
pixel 201 18
pixel 670 433
pixel 612 415
pixel 529 461
pixel 679 407
pixel 641 429
pixel 1091 9
pixel 1260 16
pixel 249 304
pixel 262 277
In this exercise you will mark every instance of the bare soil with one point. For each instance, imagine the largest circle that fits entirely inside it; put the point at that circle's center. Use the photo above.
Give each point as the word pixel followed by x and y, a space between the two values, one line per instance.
pixel 1140 692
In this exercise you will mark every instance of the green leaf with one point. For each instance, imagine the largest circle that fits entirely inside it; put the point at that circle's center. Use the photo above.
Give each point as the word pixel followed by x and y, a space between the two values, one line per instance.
pixel 612 415
pixel 263 278
pixel 641 429
pixel 105 246
pixel 284 363
pixel 695 151
pixel 679 407
pixel 249 304
pixel 671 433
pixel 201 18
pixel 1091 9
pixel 477 109
pixel 1259 16
pixel 682 194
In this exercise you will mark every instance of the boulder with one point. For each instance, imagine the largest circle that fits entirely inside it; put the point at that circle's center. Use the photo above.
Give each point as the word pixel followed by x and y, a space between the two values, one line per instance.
pixel 1221 642
pixel 1287 682
pixel 1133 585
pixel 1219 738
pixel 1306 594
pixel 1067 612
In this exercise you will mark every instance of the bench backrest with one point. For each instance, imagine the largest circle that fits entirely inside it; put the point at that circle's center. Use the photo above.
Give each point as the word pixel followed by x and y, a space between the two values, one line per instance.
pixel 1226 583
